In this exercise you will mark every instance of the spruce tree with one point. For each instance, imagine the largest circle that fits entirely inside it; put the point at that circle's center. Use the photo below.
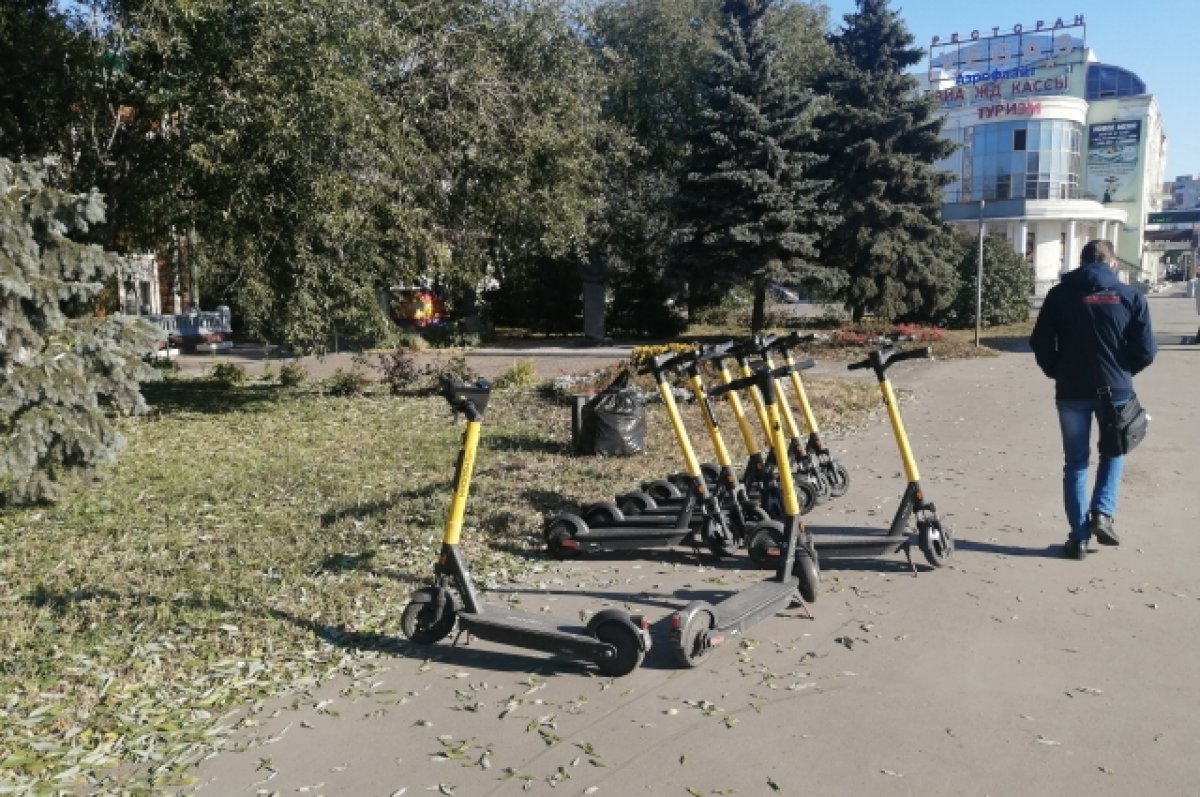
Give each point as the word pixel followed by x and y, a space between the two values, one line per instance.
pixel 63 371
pixel 883 138
pixel 746 210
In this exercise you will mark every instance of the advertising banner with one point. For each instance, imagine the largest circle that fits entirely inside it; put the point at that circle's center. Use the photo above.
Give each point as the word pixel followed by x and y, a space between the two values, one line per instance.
pixel 1113 156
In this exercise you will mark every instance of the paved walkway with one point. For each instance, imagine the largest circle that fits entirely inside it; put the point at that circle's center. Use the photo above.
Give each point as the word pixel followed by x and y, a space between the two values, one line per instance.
pixel 1014 671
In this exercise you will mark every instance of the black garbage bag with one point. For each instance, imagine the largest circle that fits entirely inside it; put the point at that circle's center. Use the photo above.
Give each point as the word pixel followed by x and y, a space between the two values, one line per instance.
pixel 613 422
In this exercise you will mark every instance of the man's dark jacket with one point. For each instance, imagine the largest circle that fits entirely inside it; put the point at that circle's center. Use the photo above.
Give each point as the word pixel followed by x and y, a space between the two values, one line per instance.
pixel 1064 336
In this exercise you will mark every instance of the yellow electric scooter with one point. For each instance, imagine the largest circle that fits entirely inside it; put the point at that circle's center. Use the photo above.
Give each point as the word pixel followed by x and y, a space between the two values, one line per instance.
pixel 701 626
pixel 933 536
pixel 616 641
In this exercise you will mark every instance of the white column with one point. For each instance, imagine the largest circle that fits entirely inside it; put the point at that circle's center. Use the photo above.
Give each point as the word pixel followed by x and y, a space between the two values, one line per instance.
pixel 1071 256
pixel 1022 234
pixel 1116 230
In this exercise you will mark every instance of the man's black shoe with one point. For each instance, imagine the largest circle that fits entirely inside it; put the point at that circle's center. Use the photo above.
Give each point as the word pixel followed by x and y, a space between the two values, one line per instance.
pixel 1075 549
pixel 1101 526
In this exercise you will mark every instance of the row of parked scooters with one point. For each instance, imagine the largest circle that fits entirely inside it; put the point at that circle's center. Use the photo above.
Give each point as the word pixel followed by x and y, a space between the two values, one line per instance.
pixel 705 505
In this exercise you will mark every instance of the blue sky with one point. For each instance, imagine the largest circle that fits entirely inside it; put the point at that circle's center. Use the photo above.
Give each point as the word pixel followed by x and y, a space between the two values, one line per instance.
pixel 1154 39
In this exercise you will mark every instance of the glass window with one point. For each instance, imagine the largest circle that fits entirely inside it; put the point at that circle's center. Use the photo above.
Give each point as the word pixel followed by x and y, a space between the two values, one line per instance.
pixel 1034 159
pixel 1104 80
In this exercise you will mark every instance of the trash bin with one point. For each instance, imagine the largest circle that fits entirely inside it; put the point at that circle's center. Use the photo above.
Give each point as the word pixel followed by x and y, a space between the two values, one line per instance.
pixel 612 423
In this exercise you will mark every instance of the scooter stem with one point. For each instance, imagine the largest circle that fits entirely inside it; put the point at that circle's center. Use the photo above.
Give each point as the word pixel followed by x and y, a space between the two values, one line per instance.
pixel 893 408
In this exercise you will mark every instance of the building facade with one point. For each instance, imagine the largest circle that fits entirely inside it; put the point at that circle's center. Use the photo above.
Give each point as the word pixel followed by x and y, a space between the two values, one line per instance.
pixel 1185 192
pixel 1055 147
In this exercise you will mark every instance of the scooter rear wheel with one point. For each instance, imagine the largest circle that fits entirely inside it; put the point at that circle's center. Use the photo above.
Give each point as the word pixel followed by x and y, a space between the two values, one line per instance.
pixel 635 503
pixel 765 544
pixel 663 490
pixel 629 653
pixel 690 645
pixel 936 542
pixel 560 534
pixel 422 624
pixel 604 513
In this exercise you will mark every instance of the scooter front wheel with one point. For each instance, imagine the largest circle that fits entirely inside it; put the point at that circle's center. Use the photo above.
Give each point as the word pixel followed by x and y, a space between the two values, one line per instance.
pixel 838 478
pixel 808 573
pixel 424 623
pixel 806 495
pixel 691 643
pixel 936 542
pixel 628 649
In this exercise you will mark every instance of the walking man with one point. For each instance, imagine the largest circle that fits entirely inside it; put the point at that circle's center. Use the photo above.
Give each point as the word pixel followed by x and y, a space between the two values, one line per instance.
pixel 1093 331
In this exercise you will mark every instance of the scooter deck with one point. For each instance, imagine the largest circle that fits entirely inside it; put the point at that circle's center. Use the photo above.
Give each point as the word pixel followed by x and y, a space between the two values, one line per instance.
pixel 753 604
pixel 667 535
pixel 849 541
pixel 533 631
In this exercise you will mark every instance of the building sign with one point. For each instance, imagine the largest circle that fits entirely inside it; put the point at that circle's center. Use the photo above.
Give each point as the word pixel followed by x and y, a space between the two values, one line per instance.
pixel 1113 157
pixel 984 52
pixel 1022 85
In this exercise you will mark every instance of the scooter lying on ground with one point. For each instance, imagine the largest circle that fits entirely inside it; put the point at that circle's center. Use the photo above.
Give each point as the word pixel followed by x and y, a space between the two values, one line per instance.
pixel 701 626
pixel 934 537
pixel 603 526
pixel 614 640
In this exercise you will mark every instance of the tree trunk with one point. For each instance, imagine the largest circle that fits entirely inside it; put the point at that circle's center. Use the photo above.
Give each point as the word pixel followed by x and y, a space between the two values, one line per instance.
pixel 758 316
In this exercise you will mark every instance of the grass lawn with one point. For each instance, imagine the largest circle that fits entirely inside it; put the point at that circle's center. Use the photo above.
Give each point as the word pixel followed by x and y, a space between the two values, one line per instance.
pixel 256 541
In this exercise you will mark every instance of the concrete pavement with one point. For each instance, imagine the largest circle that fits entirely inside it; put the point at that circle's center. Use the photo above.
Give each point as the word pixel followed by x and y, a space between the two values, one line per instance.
pixel 1013 671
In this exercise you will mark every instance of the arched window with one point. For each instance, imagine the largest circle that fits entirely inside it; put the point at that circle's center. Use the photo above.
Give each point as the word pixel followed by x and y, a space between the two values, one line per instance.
pixel 1105 82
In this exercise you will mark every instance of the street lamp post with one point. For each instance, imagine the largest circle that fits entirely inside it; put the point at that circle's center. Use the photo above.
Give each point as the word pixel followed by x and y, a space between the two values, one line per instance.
pixel 979 278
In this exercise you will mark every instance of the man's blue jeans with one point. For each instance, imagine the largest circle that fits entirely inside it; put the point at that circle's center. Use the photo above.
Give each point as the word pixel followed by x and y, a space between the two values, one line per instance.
pixel 1075 421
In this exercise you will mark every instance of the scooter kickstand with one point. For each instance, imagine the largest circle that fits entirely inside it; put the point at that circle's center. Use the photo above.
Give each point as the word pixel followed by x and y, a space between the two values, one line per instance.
pixel 908 555
pixel 803 605
pixel 458 636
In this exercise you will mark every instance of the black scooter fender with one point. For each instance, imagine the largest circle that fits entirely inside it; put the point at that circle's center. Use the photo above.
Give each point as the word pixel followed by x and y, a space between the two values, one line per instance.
pixel 635 623
pixel 434 595
pixel 685 615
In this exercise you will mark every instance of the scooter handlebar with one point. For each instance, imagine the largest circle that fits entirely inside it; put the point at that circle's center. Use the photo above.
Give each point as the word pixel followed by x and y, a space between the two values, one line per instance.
pixel 924 353
pixel 787 342
pixel 469 399
pixel 715 351
pixel 884 357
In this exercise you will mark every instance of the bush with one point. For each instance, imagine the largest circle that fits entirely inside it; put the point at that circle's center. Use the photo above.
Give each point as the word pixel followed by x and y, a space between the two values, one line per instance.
pixel 1007 285
pixel 399 369
pixel 228 374
pixel 347 383
pixel 642 354
pixel 165 366
pixel 292 374
pixel 522 374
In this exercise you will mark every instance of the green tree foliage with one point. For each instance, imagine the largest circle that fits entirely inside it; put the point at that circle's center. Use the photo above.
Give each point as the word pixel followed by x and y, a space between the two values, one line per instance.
pixel 1007 283
pixel 65 371
pixel 44 67
pixel 746 209
pixel 653 52
pixel 883 138
pixel 316 150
